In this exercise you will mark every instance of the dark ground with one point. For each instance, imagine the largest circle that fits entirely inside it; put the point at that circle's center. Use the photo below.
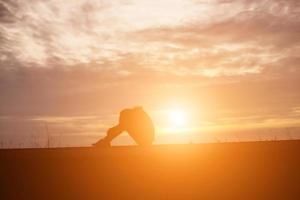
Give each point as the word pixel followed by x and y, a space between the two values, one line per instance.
pixel 253 170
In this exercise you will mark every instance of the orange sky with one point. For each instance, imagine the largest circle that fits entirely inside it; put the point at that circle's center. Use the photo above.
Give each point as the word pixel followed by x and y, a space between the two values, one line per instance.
pixel 228 64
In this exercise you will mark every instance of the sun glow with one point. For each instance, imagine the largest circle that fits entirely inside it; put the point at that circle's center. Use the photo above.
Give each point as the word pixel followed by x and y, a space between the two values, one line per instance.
pixel 177 120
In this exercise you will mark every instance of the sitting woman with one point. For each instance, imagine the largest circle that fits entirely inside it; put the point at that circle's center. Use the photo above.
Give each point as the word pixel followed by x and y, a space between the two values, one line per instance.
pixel 136 122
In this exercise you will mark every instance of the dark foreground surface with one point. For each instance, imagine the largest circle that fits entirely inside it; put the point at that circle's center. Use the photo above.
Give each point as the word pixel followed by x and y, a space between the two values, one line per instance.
pixel 254 170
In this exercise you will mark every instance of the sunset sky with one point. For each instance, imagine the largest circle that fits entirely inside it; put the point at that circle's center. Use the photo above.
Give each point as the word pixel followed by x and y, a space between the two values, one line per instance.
pixel 224 65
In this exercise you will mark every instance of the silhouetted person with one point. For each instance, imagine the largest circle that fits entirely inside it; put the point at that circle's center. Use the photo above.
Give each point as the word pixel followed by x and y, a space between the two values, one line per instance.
pixel 136 122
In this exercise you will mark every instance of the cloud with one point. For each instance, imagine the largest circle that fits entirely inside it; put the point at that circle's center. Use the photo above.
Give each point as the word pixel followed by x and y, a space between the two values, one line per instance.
pixel 260 33
pixel 208 38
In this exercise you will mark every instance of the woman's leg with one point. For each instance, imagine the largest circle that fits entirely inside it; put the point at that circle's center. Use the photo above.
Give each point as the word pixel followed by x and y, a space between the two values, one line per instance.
pixel 113 132
pixel 110 135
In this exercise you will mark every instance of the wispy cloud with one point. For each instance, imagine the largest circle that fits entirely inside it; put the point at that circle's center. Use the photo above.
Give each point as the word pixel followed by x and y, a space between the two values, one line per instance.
pixel 223 35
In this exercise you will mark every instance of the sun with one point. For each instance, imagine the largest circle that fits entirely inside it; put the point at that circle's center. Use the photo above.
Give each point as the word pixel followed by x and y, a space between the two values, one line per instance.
pixel 177 118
